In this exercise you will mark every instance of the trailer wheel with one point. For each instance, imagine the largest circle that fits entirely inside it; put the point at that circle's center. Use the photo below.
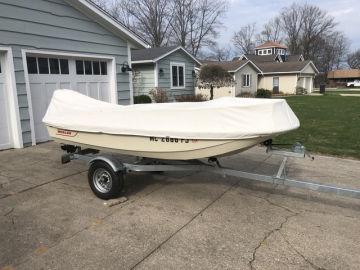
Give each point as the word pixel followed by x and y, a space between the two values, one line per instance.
pixel 104 181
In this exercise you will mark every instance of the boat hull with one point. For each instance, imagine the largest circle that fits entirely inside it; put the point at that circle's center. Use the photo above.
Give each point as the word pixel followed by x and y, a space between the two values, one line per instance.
pixel 153 147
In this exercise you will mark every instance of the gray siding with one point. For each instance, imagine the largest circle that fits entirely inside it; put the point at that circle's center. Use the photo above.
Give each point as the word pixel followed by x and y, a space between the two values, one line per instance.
pixel 144 78
pixel 239 88
pixel 165 80
pixel 54 25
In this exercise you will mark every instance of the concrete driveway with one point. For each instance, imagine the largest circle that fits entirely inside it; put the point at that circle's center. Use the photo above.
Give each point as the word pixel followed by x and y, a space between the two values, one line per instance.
pixel 49 218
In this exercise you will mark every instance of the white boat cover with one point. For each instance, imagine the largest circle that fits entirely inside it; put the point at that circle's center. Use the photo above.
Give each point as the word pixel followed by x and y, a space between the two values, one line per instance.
pixel 223 118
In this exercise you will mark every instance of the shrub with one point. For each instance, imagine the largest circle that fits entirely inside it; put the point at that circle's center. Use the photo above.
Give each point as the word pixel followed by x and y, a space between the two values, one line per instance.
pixel 246 95
pixel 159 95
pixel 191 98
pixel 141 99
pixel 263 93
pixel 301 90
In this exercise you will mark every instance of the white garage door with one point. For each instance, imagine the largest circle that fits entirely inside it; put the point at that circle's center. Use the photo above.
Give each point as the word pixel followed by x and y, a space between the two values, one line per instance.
pixel 48 73
pixel 5 135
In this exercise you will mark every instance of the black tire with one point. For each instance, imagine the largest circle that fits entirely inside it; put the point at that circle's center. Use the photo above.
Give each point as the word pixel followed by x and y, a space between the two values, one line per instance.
pixel 104 182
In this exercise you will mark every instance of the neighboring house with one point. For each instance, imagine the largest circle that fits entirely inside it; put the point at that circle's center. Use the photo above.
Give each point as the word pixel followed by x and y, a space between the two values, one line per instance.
pixel 169 68
pixel 341 77
pixel 271 68
pixel 286 76
pixel 51 44
pixel 245 74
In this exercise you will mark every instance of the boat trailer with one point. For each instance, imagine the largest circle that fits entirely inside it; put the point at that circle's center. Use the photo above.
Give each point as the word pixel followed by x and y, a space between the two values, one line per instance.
pixel 106 171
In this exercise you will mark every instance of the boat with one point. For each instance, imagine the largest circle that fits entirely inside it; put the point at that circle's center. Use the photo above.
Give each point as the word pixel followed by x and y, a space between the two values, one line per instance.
pixel 174 131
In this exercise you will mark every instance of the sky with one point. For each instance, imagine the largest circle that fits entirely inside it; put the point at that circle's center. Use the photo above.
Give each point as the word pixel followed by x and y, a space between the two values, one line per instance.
pixel 242 12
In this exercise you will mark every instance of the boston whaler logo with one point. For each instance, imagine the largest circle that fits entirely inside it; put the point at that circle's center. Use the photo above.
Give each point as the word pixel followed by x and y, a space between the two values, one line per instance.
pixel 172 140
pixel 65 132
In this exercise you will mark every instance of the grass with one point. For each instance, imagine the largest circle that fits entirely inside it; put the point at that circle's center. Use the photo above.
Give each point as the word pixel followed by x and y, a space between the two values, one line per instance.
pixel 330 124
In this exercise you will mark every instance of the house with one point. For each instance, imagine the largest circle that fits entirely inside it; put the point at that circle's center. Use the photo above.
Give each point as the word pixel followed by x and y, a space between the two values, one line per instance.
pixel 169 68
pixel 342 76
pixel 271 68
pixel 245 74
pixel 51 44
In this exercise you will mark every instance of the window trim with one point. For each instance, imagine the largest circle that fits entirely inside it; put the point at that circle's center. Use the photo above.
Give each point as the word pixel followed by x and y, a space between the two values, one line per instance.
pixel 177 64
pixel 247 82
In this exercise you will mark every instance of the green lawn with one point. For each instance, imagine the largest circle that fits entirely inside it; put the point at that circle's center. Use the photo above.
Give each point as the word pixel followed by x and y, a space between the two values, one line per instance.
pixel 330 124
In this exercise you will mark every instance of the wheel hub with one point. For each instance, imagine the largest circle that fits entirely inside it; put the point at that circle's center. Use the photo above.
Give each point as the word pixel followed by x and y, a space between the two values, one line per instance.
pixel 102 180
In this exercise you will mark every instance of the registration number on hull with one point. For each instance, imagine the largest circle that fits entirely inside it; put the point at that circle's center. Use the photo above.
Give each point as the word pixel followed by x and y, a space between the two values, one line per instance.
pixel 172 140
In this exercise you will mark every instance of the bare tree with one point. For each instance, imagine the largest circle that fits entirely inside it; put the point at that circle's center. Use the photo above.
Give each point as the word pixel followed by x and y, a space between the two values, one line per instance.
pixel 195 23
pixel 148 18
pixel 218 53
pixel 353 59
pixel 304 25
pixel 272 31
pixel 331 51
pixel 244 39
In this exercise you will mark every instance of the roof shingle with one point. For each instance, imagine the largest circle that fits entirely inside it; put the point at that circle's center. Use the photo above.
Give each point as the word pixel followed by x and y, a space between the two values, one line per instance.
pixel 150 53
pixel 276 67
pixel 227 65
pixel 271 44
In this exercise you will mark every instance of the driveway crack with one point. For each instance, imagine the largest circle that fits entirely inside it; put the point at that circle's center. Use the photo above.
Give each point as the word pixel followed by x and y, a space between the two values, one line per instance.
pixel 267 235
pixel 314 266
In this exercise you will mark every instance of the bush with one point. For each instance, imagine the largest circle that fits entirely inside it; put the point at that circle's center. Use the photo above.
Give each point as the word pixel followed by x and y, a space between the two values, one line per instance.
pixel 141 99
pixel 159 95
pixel 191 98
pixel 301 90
pixel 263 93
pixel 246 95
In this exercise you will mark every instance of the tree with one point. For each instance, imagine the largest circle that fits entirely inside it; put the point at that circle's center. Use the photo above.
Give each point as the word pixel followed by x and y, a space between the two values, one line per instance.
pixel 272 31
pixel 304 26
pixel 330 51
pixel 148 18
pixel 195 23
pixel 211 76
pixel 244 39
pixel 353 59
pixel 192 24
pixel 218 53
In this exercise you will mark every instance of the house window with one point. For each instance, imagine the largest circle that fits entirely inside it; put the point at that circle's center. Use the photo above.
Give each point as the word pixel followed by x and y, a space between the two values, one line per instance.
pixel 54 66
pixel 64 66
pixel 269 51
pixel 96 68
pixel 260 52
pixel 43 65
pixel 246 80
pixel 103 66
pixel 32 65
pixel 177 75
pixel 90 67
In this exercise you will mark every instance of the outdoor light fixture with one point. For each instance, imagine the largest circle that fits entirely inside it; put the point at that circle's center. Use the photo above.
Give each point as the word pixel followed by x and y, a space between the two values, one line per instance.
pixel 161 72
pixel 125 67
pixel 193 73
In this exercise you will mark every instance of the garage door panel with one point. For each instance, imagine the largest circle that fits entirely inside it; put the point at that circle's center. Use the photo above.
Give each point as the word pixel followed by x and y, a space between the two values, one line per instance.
pixel 93 90
pixel 104 95
pixel 65 85
pixel 81 87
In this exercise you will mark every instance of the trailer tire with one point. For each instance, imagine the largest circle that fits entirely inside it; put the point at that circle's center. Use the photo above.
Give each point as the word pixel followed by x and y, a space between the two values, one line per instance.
pixel 104 181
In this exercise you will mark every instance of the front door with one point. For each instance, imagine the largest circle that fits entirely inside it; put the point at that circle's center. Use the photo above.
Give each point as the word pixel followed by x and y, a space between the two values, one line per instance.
pixel 5 136
pixel 276 85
